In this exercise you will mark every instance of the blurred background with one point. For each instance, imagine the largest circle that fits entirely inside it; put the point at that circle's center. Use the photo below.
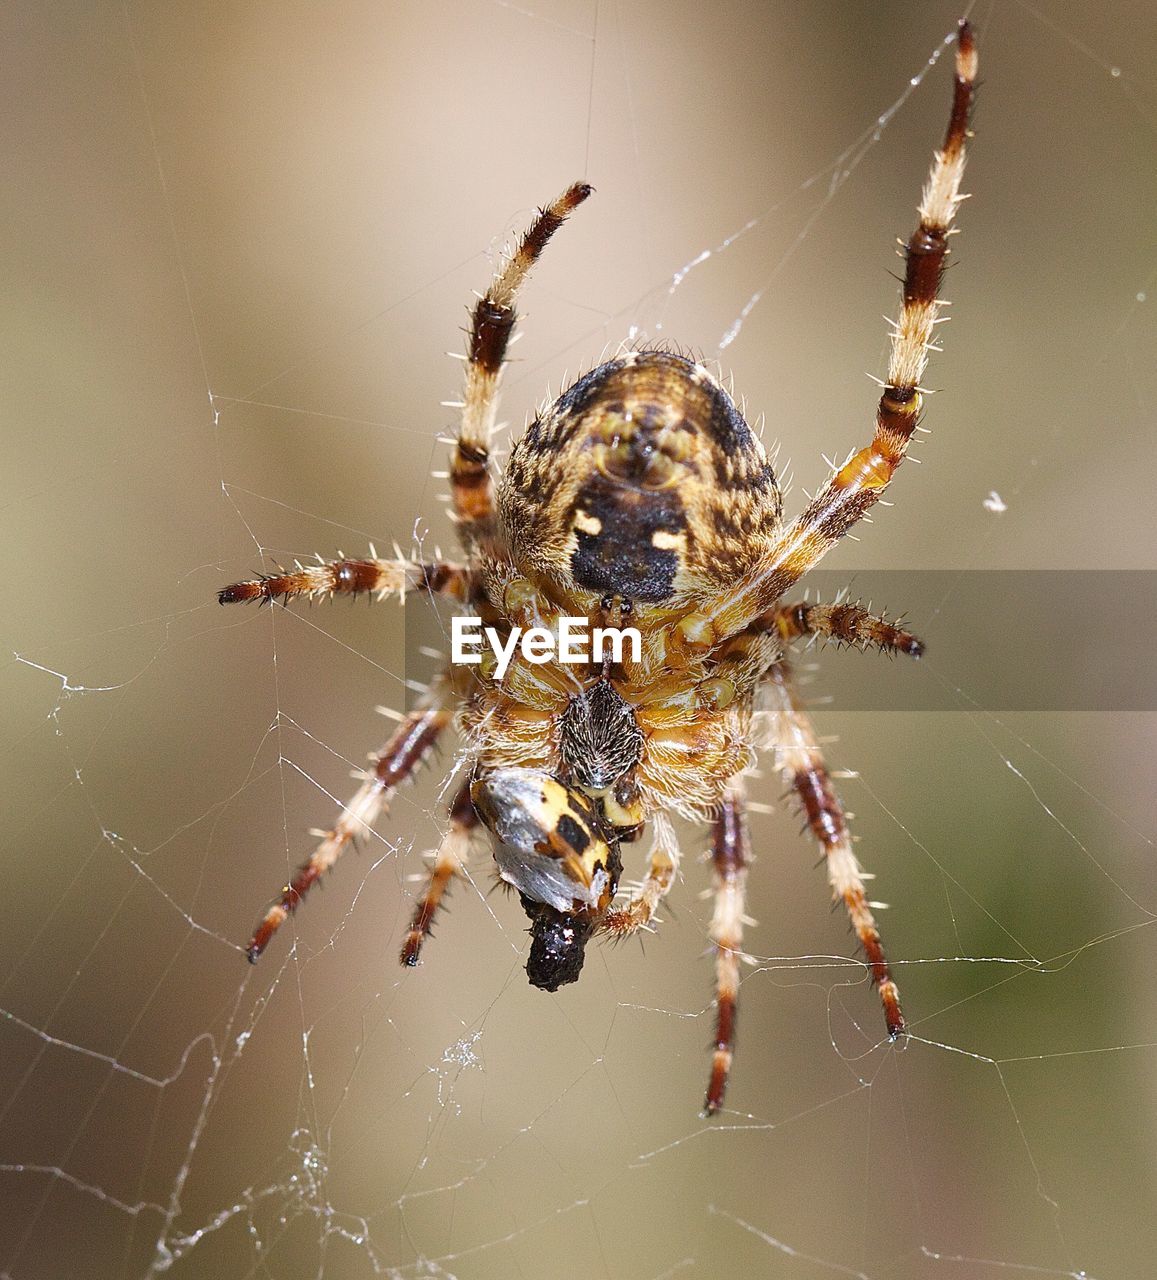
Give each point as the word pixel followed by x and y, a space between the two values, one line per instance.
pixel 241 239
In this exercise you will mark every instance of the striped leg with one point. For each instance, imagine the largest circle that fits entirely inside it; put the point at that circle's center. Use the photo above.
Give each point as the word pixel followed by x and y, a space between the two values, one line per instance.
pixel 662 868
pixel 730 856
pixel 491 325
pixel 397 760
pixel 844 623
pixel 854 488
pixel 803 768
pixel 448 862
pixel 352 577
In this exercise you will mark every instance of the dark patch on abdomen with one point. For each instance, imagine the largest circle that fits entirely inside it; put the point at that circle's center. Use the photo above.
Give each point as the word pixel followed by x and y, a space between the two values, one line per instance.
pixel 621 558
pixel 728 427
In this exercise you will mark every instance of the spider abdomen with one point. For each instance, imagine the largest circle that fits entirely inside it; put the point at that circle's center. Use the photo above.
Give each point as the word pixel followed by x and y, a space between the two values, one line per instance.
pixel 644 481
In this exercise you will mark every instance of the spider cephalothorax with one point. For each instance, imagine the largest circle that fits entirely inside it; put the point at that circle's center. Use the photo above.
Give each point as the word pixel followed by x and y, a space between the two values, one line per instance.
pixel 599 737
pixel 639 495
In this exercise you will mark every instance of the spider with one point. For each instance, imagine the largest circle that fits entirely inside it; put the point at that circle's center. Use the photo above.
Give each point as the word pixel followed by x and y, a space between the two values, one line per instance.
pixel 642 495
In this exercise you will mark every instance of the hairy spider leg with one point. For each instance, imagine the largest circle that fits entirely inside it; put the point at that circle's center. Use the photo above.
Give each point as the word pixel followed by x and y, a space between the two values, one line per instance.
pixel 449 861
pixel 662 870
pixel 730 858
pixel 353 577
pixel 410 745
pixel 752 651
pixel 855 487
pixel 844 623
pixel 802 765
pixel 492 322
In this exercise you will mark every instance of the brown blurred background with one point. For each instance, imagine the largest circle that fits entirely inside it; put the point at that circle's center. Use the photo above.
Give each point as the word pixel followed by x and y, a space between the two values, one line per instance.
pixel 241 239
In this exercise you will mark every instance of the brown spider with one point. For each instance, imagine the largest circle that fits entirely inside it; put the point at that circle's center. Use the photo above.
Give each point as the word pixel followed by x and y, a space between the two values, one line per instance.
pixel 640 494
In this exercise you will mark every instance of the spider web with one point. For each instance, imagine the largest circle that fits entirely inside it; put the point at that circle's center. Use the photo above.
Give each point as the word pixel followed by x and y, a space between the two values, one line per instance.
pixel 243 236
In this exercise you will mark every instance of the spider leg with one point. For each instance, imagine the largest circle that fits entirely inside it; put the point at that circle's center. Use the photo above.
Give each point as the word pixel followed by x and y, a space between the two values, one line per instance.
pixel 353 577
pixel 844 623
pixel 392 765
pixel 492 322
pixel 803 768
pixel 730 857
pixel 855 487
pixel 448 862
pixel 662 868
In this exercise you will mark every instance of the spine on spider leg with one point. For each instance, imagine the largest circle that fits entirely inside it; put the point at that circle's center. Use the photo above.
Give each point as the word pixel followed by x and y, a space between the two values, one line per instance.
pixel 860 482
pixel 663 865
pixel 398 760
pixel 730 855
pixel 448 861
pixel 925 256
pixel 804 769
pixel 858 485
pixel 825 817
pixel 844 623
pixel 351 578
pixel 491 325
